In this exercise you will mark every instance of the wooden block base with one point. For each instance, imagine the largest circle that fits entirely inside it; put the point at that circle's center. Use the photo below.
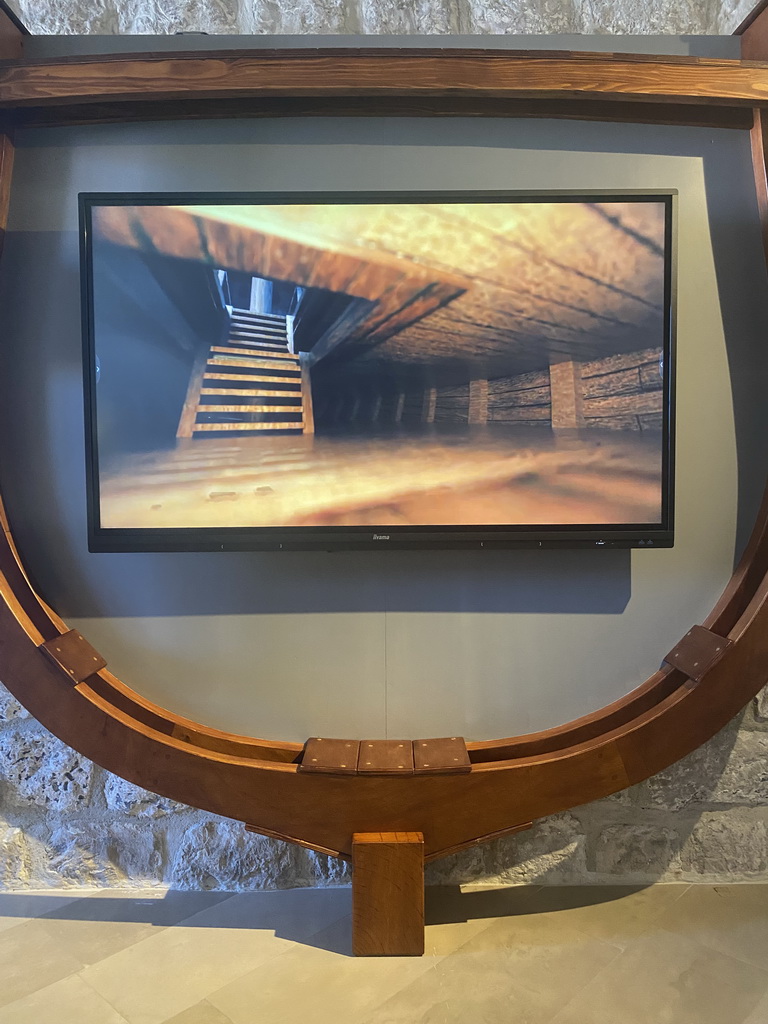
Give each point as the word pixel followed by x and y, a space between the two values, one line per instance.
pixel 388 894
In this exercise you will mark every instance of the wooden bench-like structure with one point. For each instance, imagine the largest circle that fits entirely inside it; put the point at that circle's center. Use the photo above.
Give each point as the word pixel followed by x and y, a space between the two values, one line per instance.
pixel 389 806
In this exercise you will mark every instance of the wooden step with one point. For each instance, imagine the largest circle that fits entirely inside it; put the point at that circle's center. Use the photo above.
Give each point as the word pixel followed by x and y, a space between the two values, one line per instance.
pixel 297 425
pixel 265 345
pixel 251 363
pixel 251 393
pixel 255 352
pixel 249 408
pixel 250 332
pixel 257 316
pixel 257 379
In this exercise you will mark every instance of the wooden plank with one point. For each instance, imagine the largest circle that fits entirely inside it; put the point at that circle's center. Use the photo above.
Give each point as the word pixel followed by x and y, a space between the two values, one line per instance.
pixel 295 425
pixel 245 407
pixel 429 403
pixel 250 363
pixel 478 401
pixel 12 34
pixel 330 756
pixel 261 378
pixel 698 651
pixel 388 894
pixel 754 33
pixel 440 756
pixel 280 354
pixel 396 105
pixel 385 757
pixel 642 402
pixel 306 393
pixel 72 653
pixel 7 152
pixel 189 409
pixel 567 395
pixel 250 393
pixel 419 73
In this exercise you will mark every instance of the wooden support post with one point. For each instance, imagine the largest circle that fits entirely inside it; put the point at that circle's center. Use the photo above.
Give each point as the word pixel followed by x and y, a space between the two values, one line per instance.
pixel 399 406
pixel 388 894
pixel 428 405
pixel 306 393
pixel 567 395
pixel 186 427
pixel 478 401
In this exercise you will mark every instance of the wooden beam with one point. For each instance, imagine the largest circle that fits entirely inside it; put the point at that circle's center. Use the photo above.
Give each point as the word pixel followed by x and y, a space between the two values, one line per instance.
pixel 306 393
pixel 334 73
pixel 186 425
pixel 754 33
pixel 12 34
pixel 567 395
pixel 428 405
pixel 388 894
pixel 478 401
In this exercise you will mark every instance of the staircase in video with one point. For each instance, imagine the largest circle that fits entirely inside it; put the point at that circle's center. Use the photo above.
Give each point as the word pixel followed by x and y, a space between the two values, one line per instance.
pixel 251 384
pixel 373 365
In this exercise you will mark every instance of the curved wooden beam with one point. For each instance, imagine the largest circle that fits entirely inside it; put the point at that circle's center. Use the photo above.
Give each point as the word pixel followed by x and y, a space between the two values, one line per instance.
pixel 513 780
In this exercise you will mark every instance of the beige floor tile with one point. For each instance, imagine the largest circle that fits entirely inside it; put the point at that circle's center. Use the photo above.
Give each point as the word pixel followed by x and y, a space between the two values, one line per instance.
pixel 69 1001
pixel 18 907
pixel 30 959
pixel 201 1013
pixel 95 928
pixel 732 919
pixel 667 979
pixel 520 969
pixel 615 913
pixel 178 967
pixel 322 983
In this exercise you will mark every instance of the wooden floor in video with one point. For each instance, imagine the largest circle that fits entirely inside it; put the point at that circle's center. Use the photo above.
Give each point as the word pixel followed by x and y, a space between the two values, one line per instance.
pixel 474 477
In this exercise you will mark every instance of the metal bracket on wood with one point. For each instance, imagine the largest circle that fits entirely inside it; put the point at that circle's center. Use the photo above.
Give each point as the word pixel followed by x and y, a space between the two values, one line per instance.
pixel 697 652
pixel 74 655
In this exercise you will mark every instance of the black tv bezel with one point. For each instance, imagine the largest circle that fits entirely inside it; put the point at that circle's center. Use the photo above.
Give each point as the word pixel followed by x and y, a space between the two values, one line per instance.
pixel 286 538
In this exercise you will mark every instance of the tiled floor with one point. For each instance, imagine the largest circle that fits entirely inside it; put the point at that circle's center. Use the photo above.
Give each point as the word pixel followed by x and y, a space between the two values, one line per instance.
pixel 667 954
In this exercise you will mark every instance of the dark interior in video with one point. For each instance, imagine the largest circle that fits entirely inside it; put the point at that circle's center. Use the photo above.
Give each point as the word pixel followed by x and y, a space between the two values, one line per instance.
pixel 379 365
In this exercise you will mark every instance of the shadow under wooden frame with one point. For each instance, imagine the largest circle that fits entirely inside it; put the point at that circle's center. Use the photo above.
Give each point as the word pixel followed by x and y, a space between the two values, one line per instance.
pixel 511 781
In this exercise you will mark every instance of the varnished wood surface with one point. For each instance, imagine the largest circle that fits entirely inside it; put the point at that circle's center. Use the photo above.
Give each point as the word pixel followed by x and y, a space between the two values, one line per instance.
pixel 513 75
pixel 512 781
pixel 754 33
pixel 388 894
pixel 384 106
pixel 12 34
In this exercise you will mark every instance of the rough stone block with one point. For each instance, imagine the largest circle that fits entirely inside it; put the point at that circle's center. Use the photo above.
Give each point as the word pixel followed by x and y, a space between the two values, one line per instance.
pixel 760 705
pixel 111 854
pixel 552 851
pixel 15 858
pixel 635 852
pixel 729 846
pixel 403 17
pixel 10 708
pixel 694 779
pixel 132 800
pixel 41 770
pixel 220 854
pixel 499 17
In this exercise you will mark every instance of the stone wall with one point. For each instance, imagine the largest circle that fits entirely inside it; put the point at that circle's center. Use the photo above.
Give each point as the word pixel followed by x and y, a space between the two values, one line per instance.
pixel 107 17
pixel 65 822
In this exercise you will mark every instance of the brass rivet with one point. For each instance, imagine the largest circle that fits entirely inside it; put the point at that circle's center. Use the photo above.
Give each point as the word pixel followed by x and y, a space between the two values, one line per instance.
pixel 368 764
pixel 314 758
pixel 343 766
pixel 425 765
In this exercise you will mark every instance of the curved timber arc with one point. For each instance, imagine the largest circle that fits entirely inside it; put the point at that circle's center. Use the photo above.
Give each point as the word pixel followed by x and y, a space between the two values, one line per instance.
pixel 511 780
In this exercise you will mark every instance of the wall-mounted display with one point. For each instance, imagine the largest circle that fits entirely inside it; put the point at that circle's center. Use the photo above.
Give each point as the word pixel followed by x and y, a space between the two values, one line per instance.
pixel 352 370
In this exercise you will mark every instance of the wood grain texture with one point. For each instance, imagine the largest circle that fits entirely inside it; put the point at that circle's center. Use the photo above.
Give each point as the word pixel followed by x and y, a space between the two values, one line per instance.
pixel 369 72
pixel 388 894
pixel 11 35
pixel 754 33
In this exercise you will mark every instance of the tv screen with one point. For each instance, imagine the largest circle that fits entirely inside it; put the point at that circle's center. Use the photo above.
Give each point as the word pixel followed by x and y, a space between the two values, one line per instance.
pixel 355 370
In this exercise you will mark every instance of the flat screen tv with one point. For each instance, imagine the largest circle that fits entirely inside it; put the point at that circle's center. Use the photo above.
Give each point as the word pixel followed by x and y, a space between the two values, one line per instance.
pixel 348 370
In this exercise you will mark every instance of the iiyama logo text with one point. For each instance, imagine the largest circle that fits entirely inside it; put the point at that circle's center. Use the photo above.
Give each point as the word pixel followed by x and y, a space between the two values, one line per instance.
pixel 381 536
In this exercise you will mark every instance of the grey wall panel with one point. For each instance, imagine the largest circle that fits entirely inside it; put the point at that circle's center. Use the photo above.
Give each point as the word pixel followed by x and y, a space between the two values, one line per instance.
pixel 368 643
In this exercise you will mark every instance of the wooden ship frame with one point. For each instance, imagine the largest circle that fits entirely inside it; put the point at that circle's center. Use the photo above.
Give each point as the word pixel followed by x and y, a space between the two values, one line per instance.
pixel 388 806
